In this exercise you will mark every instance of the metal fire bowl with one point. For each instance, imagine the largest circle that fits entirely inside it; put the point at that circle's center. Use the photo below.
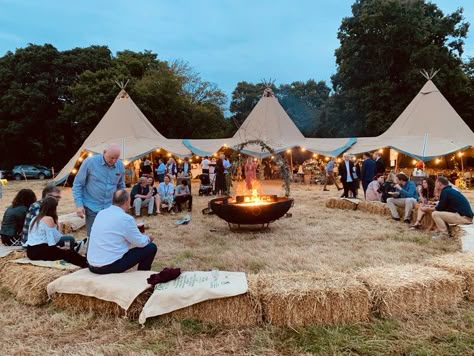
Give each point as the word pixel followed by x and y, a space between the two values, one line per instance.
pixel 242 214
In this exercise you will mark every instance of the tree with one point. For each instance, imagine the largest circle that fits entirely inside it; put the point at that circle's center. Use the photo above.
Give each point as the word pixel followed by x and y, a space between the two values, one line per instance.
pixel 384 45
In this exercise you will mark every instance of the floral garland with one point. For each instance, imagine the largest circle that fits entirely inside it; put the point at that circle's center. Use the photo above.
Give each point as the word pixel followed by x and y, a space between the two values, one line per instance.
pixel 284 169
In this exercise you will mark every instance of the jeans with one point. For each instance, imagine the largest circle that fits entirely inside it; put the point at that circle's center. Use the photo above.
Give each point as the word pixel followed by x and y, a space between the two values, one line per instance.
pixel 407 203
pixel 138 203
pixel 90 217
pixel 67 239
pixel 143 256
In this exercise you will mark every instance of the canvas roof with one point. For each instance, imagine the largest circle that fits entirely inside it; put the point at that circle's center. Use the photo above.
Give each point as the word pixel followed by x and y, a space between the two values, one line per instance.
pixel 125 125
pixel 429 127
pixel 270 123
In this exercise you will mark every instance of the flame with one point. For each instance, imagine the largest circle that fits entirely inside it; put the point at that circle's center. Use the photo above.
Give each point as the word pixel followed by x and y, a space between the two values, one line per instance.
pixel 252 197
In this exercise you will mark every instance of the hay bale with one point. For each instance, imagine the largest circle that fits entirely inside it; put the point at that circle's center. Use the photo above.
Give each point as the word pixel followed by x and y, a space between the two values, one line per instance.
pixel 298 299
pixel 78 304
pixel 461 264
pixel 27 282
pixel 11 256
pixel 373 207
pixel 344 204
pixel 410 289
pixel 241 310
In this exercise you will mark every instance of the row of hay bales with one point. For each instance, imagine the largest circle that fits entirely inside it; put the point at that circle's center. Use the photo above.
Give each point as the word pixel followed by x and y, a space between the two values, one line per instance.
pixel 290 299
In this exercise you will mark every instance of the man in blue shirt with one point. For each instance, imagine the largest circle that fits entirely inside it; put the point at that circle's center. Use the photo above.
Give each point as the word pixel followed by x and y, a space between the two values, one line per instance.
pixel 99 177
pixel 160 171
pixel 452 208
pixel 330 178
pixel 227 176
pixel 406 197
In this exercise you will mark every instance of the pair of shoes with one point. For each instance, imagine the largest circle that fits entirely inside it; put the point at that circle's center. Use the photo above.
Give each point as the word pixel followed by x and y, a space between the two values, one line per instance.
pixel 407 221
pixel 415 226
pixel 137 215
pixel 78 245
pixel 396 219
pixel 325 190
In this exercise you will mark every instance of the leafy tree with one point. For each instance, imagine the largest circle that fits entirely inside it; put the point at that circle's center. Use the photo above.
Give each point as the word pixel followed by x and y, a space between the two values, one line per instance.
pixel 384 45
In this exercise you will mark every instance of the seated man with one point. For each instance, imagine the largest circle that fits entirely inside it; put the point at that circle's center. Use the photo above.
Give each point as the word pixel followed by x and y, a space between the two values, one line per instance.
pixel 112 234
pixel 141 196
pixel 182 195
pixel 166 194
pixel 452 208
pixel 406 196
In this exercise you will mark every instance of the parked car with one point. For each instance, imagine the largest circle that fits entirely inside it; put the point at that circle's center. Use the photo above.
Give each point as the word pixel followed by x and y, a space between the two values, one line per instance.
pixel 31 171
pixel 4 174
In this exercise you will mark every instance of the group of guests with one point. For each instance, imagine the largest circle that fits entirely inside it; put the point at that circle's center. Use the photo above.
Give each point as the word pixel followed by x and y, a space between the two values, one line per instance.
pixel 145 195
pixel 222 173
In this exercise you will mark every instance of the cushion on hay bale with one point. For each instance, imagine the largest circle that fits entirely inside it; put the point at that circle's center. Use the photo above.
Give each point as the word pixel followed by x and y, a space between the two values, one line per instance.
pixel 342 203
pixel 106 294
pixel 461 264
pixel 298 299
pixel 241 310
pixel 27 282
pixel 410 289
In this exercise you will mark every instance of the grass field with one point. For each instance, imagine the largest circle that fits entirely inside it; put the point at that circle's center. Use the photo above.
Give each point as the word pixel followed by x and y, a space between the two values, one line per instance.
pixel 313 239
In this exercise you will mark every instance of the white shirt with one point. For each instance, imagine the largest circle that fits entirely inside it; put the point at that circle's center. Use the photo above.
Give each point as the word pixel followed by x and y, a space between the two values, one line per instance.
pixel 349 177
pixel 112 235
pixel 43 234
pixel 205 164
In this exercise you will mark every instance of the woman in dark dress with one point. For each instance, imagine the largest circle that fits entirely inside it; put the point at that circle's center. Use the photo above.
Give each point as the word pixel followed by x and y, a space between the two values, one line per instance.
pixel 220 177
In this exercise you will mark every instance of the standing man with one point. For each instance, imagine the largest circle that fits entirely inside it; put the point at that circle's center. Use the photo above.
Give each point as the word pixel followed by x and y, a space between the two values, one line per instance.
pixel 160 171
pixel 227 176
pixel 406 197
pixel 452 208
pixel 348 175
pixel 379 164
pixel 330 177
pixel 205 165
pixel 368 171
pixel 99 177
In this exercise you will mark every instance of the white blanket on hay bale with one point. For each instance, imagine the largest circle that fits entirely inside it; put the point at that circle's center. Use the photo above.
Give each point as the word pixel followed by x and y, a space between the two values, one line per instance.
pixel 6 250
pixel 119 288
pixel 192 288
pixel 63 265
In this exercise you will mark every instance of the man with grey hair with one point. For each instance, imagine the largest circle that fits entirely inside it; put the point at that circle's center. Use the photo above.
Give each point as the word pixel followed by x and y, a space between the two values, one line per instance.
pixel 142 196
pixel 113 233
pixel 98 178
pixel 348 175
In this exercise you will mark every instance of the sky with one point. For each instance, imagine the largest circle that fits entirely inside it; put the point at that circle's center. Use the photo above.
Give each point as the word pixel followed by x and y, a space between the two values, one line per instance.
pixel 226 41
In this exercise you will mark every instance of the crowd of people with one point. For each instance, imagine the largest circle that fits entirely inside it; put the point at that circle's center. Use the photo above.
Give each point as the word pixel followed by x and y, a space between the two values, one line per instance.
pixel 115 243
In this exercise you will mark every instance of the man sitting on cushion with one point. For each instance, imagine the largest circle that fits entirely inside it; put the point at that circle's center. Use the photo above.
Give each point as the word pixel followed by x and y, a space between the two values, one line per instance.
pixel 113 233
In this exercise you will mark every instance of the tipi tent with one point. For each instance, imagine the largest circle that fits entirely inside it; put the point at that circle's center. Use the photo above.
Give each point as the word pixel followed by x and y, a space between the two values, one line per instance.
pixel 429 127
pixel 125 125
pixel 270 123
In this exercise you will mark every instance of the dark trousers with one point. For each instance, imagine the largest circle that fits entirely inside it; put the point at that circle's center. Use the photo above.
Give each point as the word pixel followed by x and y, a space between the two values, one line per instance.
pixel 161 178
pixel 143 256
pixel 365 184
pixel 349 187
pixel 11 240
pixel 54 253
pixel 181 199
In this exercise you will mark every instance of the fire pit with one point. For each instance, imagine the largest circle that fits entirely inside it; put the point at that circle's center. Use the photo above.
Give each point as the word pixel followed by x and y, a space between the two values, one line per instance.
pixel 251 209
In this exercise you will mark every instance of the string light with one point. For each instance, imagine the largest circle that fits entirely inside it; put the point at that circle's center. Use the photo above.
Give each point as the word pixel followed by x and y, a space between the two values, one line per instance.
pixel 288 151
pixel 414 162
pixel 80 159
pixel 90 154
pixel 381 150
pixel 338 160
pixel 315 155
pixel 326 158
pixel 180 161
pixel 74 171
pixel 273 157
pixel 225 144
pixel 126 162
pixel 169 154
pixel 197 157
pixel 460 154
pixel 303 149
pixel 437 160
pixel 158 150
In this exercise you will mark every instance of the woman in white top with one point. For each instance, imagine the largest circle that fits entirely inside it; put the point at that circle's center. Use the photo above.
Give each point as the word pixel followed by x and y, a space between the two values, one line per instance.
pixel 44 237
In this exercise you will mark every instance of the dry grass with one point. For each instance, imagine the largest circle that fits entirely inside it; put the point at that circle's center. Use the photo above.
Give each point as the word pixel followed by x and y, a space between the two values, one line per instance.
pixel 461 264
pixel 79 304
pixel 300 299
pixel 410 289
pixel 27 282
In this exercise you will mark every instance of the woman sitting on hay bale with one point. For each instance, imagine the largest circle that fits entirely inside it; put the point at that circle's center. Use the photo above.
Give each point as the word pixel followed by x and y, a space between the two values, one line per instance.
pixel 373 192
pixel 426 198
pixel 14 217
pixel 44 238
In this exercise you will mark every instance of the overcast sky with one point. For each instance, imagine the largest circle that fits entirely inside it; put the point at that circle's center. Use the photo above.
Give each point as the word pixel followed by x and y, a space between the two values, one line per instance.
pixel 226 41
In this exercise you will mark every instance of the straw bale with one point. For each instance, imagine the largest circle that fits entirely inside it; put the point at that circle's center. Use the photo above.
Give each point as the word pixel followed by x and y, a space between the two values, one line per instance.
pixel 461 264
pixel 11 256
pixel 28 283
pixel 410 289
pixel 304 298
pixel 241 310
pixel 77 303
pixel 374 208
pixel 337 203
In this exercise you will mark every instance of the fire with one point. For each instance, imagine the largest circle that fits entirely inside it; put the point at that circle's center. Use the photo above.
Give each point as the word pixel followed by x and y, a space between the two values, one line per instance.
pixel 251 197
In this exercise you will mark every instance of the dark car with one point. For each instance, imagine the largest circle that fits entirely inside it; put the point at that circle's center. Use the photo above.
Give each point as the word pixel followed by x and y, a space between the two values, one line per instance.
pixel 31 171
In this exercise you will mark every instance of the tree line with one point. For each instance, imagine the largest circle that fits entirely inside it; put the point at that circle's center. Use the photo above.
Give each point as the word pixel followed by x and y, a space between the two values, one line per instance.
pixel 51 100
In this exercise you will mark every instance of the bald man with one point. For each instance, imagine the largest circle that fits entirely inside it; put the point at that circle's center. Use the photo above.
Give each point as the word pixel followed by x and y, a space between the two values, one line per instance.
pixel 95 183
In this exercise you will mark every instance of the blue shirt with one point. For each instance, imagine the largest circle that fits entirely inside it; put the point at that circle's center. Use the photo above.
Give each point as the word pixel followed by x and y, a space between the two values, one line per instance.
pixel 226 166
pixel 112 235
pixel 96 182
pixel 165 190
pixel 330 166
pixel 161 168
pixel 409 190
